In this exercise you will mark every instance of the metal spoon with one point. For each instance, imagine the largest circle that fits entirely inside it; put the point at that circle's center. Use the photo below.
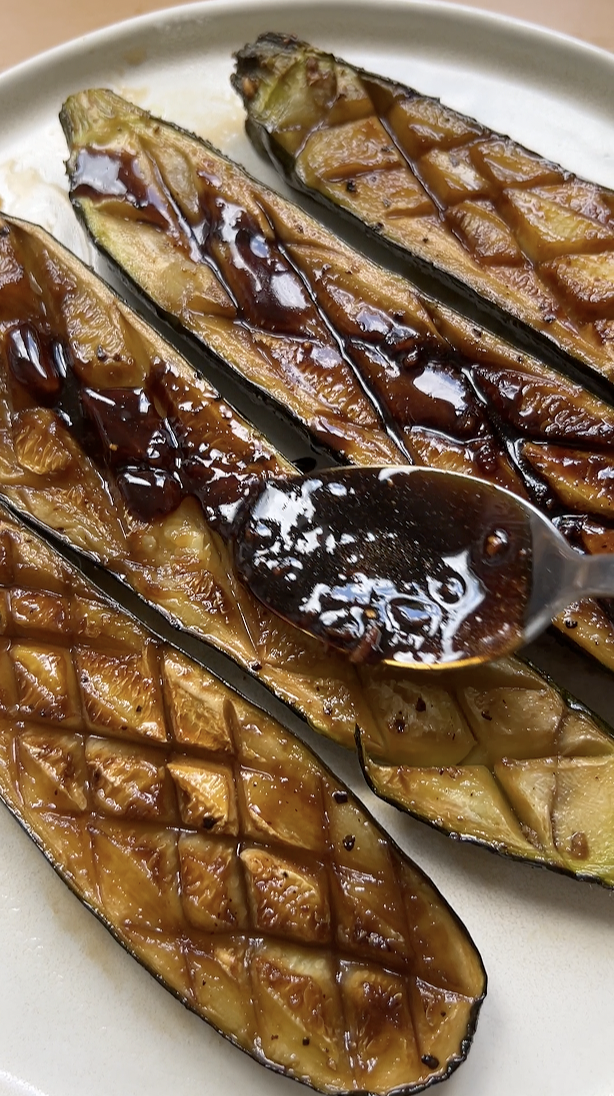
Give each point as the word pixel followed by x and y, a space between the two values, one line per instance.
pixel 410 566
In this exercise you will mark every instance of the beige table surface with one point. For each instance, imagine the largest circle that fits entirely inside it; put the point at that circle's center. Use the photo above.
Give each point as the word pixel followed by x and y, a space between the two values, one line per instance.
pixel 31 26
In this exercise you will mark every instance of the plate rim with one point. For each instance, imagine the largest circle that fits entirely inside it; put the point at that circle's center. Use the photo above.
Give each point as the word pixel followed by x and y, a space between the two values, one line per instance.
pixel 465 14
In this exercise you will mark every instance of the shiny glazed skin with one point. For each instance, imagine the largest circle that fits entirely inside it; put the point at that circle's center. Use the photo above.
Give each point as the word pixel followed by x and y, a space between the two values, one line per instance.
pixel 470 205
pixel 442 391
pixel 503 739
pixel 169 805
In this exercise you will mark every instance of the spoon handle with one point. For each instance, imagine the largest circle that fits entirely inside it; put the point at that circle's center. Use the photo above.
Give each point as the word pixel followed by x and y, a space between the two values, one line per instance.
pixel 595 576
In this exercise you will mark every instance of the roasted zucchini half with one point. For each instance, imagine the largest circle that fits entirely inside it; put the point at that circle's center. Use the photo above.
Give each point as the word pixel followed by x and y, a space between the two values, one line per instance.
pixel 473 207
pixel 229 260
pixel 168 803
pixel 93 404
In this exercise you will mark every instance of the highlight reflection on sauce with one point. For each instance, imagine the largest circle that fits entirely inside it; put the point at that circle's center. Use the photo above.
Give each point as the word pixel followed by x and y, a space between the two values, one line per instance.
pixel 421 568
pixel 134 432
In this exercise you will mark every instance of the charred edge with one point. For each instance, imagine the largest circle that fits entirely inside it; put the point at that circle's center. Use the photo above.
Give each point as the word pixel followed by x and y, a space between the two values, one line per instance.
pixel 259 1058
pixel 598 386
pixel 162 624
pixel 222 366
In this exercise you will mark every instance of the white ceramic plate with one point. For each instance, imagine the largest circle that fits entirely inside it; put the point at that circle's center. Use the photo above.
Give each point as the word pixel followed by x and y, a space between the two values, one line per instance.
pixel 77 1014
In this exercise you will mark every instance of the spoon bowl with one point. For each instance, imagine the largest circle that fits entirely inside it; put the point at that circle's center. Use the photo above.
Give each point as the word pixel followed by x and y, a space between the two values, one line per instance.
pixel 407 565
pixel 412 566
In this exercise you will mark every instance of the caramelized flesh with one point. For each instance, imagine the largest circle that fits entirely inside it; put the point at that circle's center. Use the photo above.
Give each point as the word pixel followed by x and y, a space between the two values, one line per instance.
pixel 525 234
pixel 178 563
pixel 169 805
pixel 452 396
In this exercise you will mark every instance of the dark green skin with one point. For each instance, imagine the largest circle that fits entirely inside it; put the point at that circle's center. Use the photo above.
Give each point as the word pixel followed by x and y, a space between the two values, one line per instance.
pixel 7 511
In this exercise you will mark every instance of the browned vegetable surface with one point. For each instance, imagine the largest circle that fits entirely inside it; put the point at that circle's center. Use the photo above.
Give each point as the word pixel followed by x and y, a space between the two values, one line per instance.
pixel 243 269
pixel 200 240
pixel 218 849
pixel 74 463
pixel 500 757
pixel 130 456
pixel 471 205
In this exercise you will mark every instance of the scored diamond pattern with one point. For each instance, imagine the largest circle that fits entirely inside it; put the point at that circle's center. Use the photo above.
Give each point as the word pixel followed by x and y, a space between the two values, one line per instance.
pixel 220 851
pixel 174 559
pixel 520 231
pixel 494 783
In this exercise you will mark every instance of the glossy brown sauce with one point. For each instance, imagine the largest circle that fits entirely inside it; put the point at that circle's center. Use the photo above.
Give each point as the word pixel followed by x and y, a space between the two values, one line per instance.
pixel 415 379
pixel 117 174
pixel 262 283
pixel 417 568
pixel 418 381
pixel 151 455
pixel 412 377
pixel 37 365
pixel 255 270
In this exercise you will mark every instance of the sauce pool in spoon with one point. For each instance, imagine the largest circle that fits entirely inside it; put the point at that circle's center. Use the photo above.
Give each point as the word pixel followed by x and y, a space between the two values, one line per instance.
pixel 412 566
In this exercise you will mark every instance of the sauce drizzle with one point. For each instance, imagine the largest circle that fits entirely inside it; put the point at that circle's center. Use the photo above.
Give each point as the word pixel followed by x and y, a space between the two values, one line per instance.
pixel 150 454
